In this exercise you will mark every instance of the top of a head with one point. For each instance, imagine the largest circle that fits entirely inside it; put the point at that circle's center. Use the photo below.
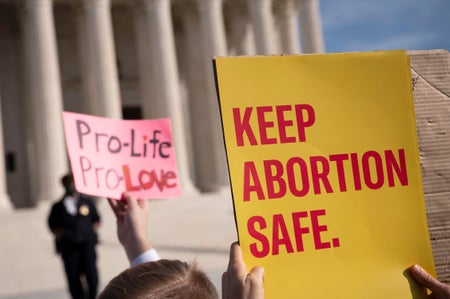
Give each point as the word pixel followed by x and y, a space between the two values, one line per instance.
pixel 161 279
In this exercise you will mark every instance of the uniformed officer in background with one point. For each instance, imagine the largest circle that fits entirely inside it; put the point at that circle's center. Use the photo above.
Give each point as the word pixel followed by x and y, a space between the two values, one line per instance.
pixel 74 221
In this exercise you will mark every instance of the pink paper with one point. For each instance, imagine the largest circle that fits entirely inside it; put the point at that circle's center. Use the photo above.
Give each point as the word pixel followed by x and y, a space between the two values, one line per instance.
pixel 110 156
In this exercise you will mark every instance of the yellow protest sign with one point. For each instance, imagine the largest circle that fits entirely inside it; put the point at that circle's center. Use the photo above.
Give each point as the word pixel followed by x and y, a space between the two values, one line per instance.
pixel 324 167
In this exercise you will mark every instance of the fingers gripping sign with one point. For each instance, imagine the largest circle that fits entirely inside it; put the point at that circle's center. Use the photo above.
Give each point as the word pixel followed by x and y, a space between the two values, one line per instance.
pixel 439 290
pixel 132 218
pixel 237 283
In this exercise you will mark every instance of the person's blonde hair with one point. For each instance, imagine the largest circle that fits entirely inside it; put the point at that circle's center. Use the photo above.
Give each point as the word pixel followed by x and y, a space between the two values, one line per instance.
pixel 159 280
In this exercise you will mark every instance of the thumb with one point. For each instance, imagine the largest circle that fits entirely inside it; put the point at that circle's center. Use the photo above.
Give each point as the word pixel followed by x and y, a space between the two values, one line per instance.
pixel 254 284
pixel 427 280
pixel 129 200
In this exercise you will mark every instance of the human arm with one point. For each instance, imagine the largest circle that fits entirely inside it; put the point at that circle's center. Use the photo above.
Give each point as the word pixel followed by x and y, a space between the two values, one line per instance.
pixel 439 290
pixel 131 215
pixel 237 283
pixel 95 226
pixel 93 212
pixel 54 222
pixel 57 232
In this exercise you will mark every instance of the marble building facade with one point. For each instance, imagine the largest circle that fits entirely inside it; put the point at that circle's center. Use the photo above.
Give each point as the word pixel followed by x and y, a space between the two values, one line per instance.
pixel 128 59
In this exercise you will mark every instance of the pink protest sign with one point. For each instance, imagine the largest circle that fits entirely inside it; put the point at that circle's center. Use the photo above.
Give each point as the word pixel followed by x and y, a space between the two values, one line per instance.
pixel 110 156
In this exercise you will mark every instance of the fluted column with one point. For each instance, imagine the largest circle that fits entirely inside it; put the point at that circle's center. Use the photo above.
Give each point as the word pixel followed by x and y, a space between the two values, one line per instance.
pixel 212 23
pixel 101 93
pixel 263 26
pixel 160 84
pixel 44 100
pixel 310 26
pixel 240 32
pixel 287 21
pixel 5 201
pixel 211 169
pixel 149 89
pixel 195 86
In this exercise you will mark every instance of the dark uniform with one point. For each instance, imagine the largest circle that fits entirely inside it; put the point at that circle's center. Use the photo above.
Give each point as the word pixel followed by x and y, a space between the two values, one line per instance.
pixel 76 243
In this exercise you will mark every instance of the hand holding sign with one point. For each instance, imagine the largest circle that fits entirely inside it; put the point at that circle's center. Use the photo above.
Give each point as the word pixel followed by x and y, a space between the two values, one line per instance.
pixel 237 283
pixel 110 156
pixel 439 290
pixel 132 216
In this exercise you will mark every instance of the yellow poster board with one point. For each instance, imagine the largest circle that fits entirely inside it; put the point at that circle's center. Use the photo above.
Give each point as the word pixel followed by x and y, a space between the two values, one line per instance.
pixel 324 167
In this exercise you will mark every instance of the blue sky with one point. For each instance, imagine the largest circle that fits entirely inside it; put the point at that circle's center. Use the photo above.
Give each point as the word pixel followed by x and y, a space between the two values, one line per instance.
pixel 365 25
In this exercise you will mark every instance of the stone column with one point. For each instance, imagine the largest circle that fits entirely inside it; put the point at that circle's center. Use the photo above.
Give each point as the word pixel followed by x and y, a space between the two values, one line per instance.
pixel 159 78
pixel 44 100
pixel 310 26
pixel 149 89
pixel 211 20
pixel 240 32
pixel 211 167
pixel 287 24
pixel 263 26
pixel 5 201
pixel 98 60
pixel 193 54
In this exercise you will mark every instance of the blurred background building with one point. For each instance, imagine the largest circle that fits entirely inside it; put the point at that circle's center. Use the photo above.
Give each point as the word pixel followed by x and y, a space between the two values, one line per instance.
pixel 128 59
